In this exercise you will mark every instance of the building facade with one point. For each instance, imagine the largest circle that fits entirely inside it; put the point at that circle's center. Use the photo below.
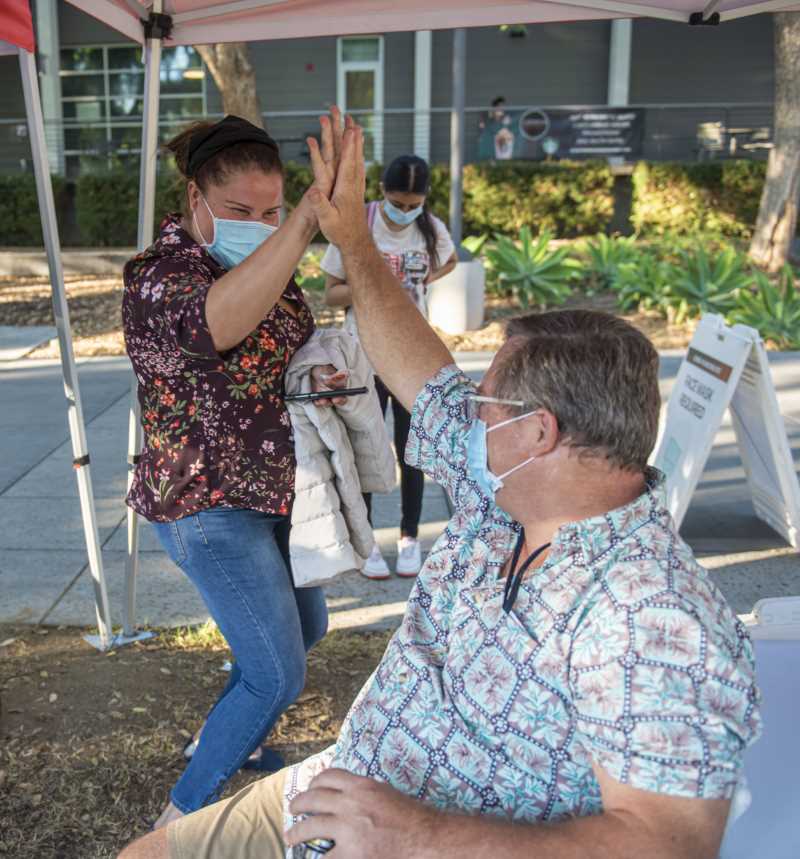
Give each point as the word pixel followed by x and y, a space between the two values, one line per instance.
pixel 705 92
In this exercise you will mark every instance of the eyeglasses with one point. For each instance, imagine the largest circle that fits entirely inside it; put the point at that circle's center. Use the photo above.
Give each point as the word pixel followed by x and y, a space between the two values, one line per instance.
pixel 474 402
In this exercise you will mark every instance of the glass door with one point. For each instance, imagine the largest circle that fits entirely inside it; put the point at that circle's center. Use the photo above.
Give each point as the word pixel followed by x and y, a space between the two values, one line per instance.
pixel 360 88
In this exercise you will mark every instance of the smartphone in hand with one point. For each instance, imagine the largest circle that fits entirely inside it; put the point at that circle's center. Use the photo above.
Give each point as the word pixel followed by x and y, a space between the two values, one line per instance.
pixel 325 395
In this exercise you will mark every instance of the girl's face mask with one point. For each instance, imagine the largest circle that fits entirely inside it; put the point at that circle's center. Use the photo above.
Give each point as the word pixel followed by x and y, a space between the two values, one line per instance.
pixel 233 241
pixel 477 451
pixel 398 216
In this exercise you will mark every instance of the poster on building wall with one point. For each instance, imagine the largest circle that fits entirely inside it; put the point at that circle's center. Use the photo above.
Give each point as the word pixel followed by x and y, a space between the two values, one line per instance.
pixel 727 369
pixel 500 138
pixel 539 133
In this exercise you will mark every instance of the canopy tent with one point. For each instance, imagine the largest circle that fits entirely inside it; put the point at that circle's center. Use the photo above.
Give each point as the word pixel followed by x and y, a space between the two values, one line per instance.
pixel 189 22
pixel 202 21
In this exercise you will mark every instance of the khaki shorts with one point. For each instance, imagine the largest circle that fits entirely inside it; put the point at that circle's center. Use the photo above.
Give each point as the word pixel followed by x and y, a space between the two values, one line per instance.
pixel 249 825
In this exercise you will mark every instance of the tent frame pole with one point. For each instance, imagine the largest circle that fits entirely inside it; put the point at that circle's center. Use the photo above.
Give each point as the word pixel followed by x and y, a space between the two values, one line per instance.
pixel 77 428
pixel 146 228
pixel 457 125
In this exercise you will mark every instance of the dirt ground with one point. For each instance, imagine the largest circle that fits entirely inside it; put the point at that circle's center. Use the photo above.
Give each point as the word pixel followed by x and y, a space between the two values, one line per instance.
pixel 90 743
pixel 94 305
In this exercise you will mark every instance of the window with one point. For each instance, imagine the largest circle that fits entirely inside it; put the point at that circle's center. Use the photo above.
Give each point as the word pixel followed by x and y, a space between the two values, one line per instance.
pixel 360 88
pixel 102 89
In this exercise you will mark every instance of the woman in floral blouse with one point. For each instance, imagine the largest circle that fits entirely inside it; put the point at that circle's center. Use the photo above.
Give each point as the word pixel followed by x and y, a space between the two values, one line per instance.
pixel 212 317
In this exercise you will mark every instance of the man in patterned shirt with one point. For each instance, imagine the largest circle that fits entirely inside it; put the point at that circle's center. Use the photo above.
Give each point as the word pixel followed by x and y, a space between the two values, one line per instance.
pixel 566 681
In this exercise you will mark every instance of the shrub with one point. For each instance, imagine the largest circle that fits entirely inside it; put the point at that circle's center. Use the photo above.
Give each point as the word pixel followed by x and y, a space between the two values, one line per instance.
pixel 565 199
pixel 107 205
pixel 719 198
pixel 296 180
pixel 309 274
pixel 772 308
pixel 20 224
pixel 530 271
pixel 602 258
pixel 706 283
pixel 643 284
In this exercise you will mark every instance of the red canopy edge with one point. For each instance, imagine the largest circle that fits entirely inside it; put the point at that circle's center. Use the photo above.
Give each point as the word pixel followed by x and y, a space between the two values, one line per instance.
pixel 16 25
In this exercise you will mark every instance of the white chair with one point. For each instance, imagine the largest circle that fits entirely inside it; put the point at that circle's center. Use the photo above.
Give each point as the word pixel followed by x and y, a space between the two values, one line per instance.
pixel 770 828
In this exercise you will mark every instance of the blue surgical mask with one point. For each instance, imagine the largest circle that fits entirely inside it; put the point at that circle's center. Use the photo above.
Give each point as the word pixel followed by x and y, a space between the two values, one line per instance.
pixel 398 216
pixel 478 457
pixel 233 241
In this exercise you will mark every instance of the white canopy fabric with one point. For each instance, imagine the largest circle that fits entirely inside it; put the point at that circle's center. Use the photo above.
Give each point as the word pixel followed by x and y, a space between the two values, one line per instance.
pixel 204 21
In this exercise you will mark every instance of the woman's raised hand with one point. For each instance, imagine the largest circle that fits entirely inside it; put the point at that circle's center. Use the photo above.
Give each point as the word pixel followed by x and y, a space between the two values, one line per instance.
pixel 342 218
pixel 325 157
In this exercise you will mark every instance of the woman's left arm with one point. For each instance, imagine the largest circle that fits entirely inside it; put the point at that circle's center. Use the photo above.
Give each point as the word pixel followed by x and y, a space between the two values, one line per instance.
pixel 445 269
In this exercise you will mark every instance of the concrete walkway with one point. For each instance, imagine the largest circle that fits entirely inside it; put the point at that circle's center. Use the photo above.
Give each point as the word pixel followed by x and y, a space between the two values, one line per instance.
pixel 43 568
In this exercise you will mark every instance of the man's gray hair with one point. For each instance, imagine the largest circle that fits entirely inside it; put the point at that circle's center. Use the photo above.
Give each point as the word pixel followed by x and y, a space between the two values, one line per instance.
pixel 595 373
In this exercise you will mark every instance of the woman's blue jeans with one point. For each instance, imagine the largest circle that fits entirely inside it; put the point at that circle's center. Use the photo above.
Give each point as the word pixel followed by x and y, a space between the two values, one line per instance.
pixel 239 561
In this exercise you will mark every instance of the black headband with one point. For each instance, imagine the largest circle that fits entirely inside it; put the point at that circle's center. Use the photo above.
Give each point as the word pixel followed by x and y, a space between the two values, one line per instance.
pixel 205 144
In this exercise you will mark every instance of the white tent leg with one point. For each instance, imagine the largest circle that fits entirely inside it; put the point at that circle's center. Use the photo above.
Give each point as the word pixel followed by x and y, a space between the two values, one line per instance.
pixel 147 203
pixel 44 190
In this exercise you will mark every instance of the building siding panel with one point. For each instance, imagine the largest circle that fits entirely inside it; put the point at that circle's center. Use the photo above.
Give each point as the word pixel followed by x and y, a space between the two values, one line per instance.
pixel 78 28
pixel 732 62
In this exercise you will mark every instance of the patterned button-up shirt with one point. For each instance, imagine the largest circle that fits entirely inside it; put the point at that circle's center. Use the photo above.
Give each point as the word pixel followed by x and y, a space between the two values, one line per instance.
pixel 618 651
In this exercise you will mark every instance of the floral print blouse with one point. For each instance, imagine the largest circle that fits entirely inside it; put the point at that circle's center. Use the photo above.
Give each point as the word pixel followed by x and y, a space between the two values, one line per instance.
pixel 216 429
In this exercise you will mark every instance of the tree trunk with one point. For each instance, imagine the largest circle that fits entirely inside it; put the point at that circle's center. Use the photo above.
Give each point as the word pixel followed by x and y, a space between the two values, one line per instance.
pixel 235 78
pixel 777 216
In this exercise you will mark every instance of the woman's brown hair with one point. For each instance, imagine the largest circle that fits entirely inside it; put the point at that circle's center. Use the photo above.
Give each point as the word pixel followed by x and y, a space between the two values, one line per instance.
pixel 218 168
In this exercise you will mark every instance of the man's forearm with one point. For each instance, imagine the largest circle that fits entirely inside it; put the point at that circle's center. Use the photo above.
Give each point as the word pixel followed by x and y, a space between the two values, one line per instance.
pixel 402 347
pixel 603 836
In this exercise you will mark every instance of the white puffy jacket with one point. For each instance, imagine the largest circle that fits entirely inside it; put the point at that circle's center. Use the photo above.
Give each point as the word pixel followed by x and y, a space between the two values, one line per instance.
pixel 341 452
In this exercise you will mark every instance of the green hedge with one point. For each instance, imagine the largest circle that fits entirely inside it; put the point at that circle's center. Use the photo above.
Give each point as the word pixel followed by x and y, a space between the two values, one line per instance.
pixel 566 199
pixel 107 205
pixel 721 198
pixel 20 225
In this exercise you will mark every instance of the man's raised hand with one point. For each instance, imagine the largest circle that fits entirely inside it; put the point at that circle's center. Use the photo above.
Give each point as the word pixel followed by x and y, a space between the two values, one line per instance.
pixel 325 157
pixel 343 218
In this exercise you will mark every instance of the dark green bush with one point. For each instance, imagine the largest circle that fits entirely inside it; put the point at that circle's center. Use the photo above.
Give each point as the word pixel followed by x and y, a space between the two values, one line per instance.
pixel 719 198
pixel 107 205
pixel 20 223
pixel 564 199
pixel 297 178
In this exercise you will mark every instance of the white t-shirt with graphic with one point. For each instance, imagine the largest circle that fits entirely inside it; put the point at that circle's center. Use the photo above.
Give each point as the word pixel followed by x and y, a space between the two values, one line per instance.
pixel 406 254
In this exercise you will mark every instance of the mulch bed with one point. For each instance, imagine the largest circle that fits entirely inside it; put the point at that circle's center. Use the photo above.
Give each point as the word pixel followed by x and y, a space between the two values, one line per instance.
pixel 90 743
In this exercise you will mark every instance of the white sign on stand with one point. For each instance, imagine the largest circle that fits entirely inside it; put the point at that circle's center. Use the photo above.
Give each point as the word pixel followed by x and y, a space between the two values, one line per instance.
pixel 727 368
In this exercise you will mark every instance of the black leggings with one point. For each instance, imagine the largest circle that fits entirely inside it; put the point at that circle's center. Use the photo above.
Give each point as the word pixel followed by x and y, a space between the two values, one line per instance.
pixel 412 481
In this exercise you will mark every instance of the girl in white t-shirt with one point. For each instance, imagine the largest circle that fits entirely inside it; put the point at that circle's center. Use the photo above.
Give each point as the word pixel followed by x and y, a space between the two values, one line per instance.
pixel 419 250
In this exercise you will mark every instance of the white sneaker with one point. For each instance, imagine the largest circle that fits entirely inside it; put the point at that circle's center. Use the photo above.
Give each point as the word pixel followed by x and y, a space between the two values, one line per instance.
pixel 409 557
pixel 376 567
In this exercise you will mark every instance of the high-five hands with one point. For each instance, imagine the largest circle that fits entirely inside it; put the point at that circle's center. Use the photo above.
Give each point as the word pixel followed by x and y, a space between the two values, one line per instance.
pixel 342 218
pixel 325 157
